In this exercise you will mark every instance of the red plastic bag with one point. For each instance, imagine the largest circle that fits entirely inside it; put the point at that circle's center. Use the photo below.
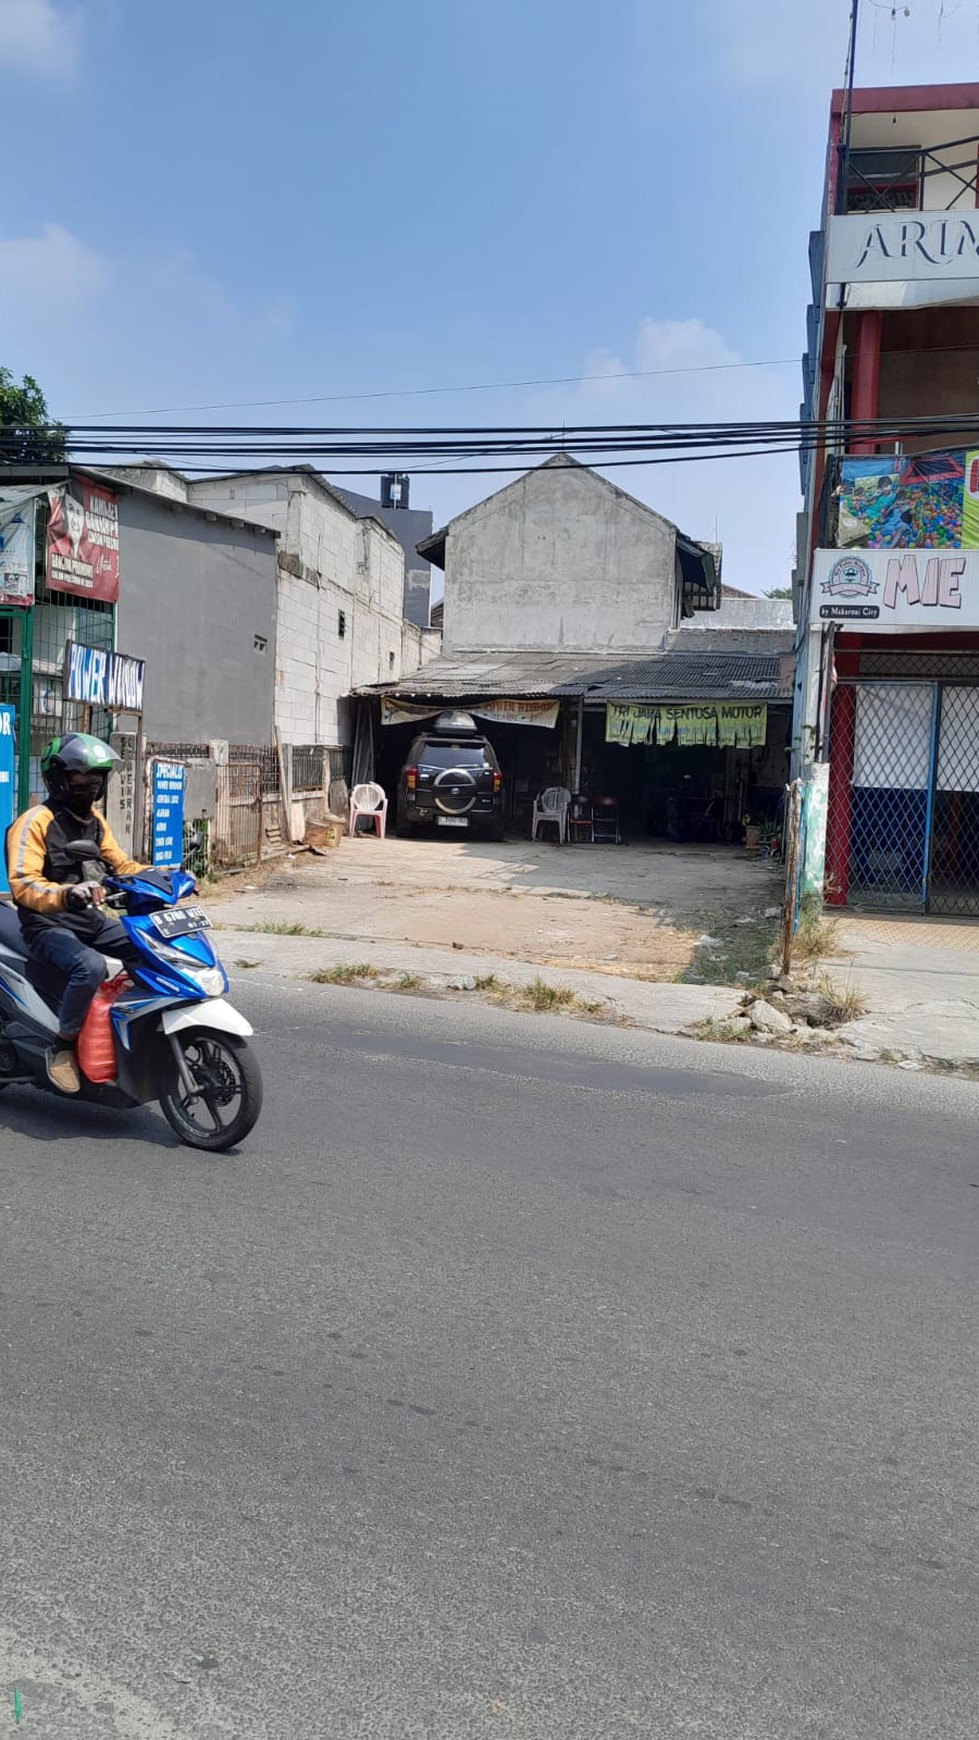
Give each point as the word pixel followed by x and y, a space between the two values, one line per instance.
pixel 96 1045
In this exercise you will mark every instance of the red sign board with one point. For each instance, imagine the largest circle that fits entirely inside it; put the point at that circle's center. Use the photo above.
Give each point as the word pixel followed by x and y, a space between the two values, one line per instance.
pixel 82 555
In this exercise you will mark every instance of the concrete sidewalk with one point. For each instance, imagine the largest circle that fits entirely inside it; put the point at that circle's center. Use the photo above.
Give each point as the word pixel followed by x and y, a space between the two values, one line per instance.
pixel 920 980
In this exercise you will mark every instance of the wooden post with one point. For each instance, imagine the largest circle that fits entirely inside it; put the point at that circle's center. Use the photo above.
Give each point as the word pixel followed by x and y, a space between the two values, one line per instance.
pixel 791 874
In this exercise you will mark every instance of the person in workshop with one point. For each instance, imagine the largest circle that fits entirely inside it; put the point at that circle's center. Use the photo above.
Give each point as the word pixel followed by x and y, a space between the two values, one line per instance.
pixel 60 912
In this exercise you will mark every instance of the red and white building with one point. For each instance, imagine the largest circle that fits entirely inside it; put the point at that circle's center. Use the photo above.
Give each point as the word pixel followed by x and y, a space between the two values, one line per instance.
pixel 886 726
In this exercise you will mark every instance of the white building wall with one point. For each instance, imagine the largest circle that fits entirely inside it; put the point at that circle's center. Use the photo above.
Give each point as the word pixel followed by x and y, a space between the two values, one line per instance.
pixel 331 565
pixel 560 559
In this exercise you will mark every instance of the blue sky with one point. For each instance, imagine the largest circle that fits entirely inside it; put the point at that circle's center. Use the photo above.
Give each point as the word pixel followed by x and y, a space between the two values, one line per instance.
pixel 217 201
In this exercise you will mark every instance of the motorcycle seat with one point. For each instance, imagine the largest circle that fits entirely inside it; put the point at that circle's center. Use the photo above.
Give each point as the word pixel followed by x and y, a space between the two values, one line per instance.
pixel 11 934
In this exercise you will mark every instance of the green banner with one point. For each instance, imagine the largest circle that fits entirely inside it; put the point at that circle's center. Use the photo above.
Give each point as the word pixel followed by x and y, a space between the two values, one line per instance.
pixel 732 724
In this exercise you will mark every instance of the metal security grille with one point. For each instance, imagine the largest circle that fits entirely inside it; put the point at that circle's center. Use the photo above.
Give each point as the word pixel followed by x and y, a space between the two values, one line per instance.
pixel 953 882
pixel 903 817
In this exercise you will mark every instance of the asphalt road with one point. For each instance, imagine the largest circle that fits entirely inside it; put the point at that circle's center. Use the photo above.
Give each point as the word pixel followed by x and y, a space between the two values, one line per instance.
pixel 519 1378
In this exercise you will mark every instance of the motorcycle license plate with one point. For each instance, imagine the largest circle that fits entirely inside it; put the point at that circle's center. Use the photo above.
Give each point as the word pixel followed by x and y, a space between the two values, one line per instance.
pixel 181 921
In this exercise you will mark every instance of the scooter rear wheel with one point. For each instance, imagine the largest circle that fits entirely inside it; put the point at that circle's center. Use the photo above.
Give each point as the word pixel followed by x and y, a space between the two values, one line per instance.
pixel 227 1098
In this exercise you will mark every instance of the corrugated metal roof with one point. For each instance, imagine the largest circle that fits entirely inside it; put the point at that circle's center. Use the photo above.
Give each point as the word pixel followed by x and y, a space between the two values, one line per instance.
pixel 687 672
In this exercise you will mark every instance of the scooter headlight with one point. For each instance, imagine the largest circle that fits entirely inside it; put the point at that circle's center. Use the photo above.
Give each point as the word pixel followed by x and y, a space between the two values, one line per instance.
pixel 210 980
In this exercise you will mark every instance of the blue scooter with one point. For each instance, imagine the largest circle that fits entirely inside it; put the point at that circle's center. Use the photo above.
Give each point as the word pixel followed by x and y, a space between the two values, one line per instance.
pixel 177 1040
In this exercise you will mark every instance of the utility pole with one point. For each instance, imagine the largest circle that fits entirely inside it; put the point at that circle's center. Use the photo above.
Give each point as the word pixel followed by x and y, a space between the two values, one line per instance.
pixel 847 116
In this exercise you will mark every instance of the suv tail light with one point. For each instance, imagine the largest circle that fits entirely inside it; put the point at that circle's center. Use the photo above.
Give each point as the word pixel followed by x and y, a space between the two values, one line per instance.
pixel 497 780
pixel 411 778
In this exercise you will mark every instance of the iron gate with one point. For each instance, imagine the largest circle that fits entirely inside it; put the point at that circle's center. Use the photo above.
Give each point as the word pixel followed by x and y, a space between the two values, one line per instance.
pixel 238 821
pixel 903 819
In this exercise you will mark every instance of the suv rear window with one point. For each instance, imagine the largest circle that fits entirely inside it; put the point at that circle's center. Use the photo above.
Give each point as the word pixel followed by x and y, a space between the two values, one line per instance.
pixel 454 755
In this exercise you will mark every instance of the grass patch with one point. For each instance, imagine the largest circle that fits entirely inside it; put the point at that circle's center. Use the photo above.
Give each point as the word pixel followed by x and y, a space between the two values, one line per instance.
pixel 408 982
pixel 841 1003
pixel 543 998
pixel 743 948
pixel 343 975
pixel 815 934
pixel 279 927
pixel 244 965
pixel 489 982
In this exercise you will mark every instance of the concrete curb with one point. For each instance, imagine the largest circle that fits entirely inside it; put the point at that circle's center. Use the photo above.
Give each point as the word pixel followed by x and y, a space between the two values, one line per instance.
pixel 659 1007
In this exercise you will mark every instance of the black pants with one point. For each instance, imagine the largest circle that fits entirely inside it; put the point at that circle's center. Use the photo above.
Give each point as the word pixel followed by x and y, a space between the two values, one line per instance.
pixel 81 963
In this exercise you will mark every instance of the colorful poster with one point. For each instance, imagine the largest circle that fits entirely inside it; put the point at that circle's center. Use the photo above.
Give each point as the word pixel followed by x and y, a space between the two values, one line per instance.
pixel 17 551
pixel 6 787
pixel 910 501
pixel 970 503
pixel 82 554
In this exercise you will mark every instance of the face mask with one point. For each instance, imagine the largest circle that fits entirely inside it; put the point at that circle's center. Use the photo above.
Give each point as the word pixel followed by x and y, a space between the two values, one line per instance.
pixel 84 789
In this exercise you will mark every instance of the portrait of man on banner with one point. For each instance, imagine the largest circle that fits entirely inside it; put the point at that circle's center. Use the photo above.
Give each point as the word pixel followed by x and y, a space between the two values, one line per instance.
pixel 82 550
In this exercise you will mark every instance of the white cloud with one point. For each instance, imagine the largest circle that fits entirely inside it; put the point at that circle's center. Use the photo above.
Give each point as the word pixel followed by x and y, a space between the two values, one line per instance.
pixel 684 371
pixel 53 270
pixel 37 36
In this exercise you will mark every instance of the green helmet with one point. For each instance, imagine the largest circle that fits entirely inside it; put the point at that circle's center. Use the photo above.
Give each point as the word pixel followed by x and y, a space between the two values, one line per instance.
pixel 75 753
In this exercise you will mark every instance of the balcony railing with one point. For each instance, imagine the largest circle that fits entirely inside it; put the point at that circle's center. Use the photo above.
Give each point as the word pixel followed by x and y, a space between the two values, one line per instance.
pixel 907 178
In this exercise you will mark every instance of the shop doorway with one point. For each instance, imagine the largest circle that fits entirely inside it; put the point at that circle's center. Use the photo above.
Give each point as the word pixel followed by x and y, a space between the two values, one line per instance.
pixel 696 794
pixel 530 757
pixel 903 818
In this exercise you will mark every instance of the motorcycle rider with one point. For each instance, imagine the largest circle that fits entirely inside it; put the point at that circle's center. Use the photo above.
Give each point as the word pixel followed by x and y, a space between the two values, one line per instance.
pixel 60 916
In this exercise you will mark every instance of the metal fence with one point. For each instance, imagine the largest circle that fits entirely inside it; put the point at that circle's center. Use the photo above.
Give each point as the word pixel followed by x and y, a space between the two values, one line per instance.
pixel 903 817
pixel 237 833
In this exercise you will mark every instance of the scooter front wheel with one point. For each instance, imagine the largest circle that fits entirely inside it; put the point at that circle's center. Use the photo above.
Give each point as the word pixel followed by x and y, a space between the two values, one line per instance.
pixel 218 1101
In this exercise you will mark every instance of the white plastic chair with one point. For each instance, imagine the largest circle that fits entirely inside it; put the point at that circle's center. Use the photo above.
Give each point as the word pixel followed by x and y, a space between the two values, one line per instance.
pixel 552 805
pixel 369 800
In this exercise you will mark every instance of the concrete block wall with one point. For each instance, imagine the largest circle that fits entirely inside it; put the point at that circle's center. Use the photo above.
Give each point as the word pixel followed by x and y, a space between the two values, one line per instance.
pixel 329 562
pixel 560 559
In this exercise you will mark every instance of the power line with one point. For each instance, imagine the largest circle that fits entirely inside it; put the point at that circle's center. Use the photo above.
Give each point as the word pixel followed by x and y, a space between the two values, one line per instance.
pixel 473 387
pixel 353 451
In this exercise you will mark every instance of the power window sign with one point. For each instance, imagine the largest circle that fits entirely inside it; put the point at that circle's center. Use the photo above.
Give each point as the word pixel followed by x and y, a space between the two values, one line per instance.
pixel 168 812
pixel 6 787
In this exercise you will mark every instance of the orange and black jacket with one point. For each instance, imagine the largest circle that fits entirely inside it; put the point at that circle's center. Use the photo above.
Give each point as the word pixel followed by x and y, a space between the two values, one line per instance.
pixel 40 872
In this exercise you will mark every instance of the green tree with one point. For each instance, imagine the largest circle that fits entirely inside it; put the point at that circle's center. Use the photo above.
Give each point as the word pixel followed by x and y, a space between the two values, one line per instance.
pixel 779 592
pixel 28 436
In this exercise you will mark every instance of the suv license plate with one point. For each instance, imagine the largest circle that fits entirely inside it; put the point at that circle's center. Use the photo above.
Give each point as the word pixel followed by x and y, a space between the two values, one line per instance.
pixel 181 921
pixel 453 821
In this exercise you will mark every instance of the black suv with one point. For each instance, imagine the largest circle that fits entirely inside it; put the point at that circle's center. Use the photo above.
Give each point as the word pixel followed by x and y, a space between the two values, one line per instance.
pixel 452 780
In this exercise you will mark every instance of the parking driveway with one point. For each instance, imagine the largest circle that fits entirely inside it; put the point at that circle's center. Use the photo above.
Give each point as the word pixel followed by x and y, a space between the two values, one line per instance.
pixel 632 910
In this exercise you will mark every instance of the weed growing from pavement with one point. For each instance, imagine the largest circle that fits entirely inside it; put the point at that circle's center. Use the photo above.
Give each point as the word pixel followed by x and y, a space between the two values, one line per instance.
pixel 815 934
pixel 841 1003
pixel 727 1032
pixel 344 975
pixel 279 927
pixel 408 982
pixel 542 997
